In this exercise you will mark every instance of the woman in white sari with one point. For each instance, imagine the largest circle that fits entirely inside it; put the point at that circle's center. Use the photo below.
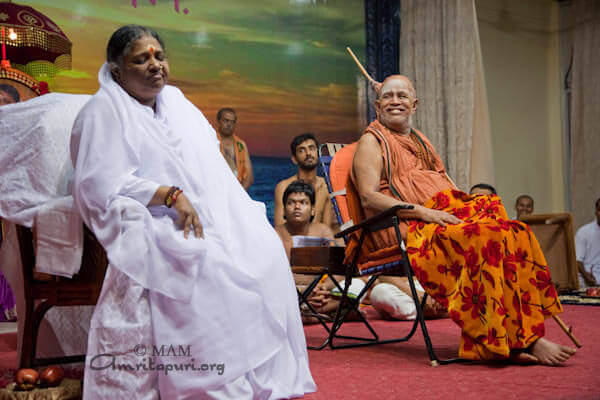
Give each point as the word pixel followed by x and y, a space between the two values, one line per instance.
pixel 198 301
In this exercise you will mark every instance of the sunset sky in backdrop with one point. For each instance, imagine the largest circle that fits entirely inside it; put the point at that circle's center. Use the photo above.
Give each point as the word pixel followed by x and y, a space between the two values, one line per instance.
pixel 281 64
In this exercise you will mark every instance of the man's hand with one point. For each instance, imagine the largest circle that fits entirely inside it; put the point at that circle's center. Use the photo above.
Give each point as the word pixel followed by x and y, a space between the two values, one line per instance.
pixel 439 217
pixel 589 279
pixel 587 276
pixel 188 217
pixel 319 296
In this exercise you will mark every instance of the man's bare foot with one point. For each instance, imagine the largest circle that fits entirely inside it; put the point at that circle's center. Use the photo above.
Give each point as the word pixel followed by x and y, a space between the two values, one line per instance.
pixel 550 353
pixel 523 357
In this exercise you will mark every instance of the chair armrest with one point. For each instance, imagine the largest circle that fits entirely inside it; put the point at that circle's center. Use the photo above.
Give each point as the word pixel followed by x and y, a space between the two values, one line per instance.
pixel 376 222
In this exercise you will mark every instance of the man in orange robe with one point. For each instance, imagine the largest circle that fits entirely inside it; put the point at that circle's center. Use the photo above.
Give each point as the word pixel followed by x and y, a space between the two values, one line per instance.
pixel 233 148
pixel 487 270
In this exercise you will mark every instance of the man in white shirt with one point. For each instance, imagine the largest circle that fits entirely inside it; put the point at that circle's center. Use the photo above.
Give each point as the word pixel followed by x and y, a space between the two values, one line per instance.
pixel 587 244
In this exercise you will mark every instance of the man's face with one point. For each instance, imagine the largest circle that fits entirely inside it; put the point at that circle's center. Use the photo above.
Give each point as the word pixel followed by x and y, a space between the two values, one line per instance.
pixel 5 98
pixel 298 209
pixel 524 206
pixel 397 103
pixel 145 70
pixel 306 155
pixel 227 123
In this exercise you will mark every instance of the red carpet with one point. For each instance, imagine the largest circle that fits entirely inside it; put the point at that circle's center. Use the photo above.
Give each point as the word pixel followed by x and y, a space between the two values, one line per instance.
pixel 402 370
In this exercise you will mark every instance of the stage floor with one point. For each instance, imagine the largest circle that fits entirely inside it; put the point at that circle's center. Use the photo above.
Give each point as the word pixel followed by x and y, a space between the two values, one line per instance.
pixel 402 370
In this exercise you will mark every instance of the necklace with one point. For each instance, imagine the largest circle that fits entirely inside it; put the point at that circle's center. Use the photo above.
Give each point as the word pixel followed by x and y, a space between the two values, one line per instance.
pixel 422 151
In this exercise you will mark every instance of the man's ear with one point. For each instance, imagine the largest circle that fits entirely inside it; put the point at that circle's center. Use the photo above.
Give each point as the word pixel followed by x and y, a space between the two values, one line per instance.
pixel 293 158
pixel 414 105
pixel 376 103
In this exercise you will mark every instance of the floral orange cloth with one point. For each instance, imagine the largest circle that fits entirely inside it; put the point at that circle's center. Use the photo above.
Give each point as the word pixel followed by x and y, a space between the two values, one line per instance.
pixel 488 271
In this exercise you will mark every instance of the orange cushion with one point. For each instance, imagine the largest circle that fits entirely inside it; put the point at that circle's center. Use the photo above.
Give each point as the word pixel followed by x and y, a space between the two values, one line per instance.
pixel 339 173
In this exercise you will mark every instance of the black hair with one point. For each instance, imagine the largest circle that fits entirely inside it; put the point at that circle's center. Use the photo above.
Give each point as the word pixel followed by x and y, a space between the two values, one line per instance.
pixel 223 110
pixel 597 202
pixel 483 186
pixel 299 186
pixel 11 91
pixel 301 138
pixel 123 38
pixel 524 196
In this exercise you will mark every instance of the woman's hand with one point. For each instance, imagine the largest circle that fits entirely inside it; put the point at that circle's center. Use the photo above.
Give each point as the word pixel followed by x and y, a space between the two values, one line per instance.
pixel 188 217
pixel 437 216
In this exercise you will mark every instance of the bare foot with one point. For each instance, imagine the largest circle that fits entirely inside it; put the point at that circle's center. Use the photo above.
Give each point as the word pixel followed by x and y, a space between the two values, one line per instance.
pixel 550 353
pixel 523 358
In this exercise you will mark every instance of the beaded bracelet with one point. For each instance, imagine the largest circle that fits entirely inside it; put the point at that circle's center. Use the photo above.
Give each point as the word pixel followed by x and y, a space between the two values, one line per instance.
pixel 175 195
pixel 169 197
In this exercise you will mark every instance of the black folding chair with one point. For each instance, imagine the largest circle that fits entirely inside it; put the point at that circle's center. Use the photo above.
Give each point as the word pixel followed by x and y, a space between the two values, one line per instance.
pixel 384 220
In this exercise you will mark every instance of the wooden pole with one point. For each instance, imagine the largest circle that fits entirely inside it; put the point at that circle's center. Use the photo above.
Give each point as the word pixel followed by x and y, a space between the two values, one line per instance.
pixel 362 69
pixel 568 331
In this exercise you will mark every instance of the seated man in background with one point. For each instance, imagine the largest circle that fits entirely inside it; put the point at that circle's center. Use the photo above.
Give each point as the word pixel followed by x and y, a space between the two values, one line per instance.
pixel 482 188
pixel 488 271
pixel 524 205
pixel 299 212
pixel 587 245
pixel 305 154
pixel 299 215
pixel 389 296
pixel 233 148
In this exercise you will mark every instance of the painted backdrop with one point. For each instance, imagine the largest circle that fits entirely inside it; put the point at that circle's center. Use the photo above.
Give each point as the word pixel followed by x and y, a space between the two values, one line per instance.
pixel 281 64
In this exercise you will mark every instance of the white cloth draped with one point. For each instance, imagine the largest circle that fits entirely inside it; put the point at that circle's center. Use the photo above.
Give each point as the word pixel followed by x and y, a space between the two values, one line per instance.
pixel 230 296
pixel 35 173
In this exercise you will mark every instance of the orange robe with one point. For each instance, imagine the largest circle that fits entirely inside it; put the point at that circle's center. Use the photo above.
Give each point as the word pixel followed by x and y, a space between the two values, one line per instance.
pixel 488 271
pixel 241 161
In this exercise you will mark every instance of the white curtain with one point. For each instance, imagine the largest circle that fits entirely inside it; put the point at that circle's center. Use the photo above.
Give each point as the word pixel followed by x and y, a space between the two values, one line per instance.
pixel 585 111
pixel 440 53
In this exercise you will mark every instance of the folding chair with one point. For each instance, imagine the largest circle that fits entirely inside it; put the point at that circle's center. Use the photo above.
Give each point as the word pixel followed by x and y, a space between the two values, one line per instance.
pixel 83 289
pixel 335 167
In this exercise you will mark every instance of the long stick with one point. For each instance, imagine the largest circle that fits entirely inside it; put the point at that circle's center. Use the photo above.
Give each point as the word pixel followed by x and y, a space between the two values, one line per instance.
pixel 362 69
pixel 568 331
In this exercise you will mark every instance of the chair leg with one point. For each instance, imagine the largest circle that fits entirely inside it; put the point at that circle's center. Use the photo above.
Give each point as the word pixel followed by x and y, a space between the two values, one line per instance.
pixel 303 299
pixel 346 306
pixel 29 338
pixel 421 316
pixel 435 361
pixel 33 319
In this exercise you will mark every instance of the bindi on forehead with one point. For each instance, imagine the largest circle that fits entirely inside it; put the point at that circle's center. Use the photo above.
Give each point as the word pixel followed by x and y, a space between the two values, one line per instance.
pixel 151 49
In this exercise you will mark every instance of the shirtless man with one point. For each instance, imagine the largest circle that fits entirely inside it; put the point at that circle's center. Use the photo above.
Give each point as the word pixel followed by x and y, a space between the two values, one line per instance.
pixel 299 211
pixel 416 159
pixel 305 155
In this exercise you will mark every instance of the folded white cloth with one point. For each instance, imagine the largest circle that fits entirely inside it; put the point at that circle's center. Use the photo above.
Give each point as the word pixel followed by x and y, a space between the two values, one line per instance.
pixel 35 177
pixel 58 238
pixel 35 163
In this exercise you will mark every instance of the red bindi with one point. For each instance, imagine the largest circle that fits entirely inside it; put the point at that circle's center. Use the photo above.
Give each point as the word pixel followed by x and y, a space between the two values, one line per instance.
pixel 151 49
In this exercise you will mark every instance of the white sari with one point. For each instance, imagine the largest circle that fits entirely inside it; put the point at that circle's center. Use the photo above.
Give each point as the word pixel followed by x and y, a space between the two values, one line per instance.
pixel 226 303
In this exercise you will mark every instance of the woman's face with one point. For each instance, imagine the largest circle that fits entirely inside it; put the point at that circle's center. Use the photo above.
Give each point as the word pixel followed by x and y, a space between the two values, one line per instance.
pixel 144 70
